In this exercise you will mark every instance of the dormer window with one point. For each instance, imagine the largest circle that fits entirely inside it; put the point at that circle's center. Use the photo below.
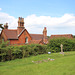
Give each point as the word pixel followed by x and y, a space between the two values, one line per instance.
pixel 26 40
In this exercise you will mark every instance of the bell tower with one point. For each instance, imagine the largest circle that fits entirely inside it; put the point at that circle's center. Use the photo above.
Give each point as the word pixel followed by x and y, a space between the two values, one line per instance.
pixel 20 25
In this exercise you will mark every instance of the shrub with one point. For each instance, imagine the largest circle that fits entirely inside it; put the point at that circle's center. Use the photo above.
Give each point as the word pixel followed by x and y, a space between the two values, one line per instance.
pixel 54 44
pixel 13 52
pixel 8 52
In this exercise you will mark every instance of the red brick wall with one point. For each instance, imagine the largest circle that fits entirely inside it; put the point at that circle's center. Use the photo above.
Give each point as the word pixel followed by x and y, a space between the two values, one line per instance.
pixel 19 29
pixel 21 39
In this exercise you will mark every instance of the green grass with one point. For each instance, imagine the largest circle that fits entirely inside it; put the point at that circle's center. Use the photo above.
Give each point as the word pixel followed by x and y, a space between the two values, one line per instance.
pixel 62 65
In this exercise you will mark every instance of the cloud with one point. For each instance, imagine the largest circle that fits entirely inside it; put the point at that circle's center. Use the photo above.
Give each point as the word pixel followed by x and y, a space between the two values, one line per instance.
pixel 47 20
pixel 63 24
pixel 35 24
pixel 0 8
pixel 5 18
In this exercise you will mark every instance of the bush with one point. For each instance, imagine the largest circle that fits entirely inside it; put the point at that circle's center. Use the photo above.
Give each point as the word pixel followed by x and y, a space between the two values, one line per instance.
pixel 8 52
pixel 37 49
pixel 54 44
pixel 13 52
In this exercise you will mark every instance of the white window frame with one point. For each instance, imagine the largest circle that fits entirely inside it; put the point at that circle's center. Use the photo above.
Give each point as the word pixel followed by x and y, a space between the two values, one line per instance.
pixel 26 40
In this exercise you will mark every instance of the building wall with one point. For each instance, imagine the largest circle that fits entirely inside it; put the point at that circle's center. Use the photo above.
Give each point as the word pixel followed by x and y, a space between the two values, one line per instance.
pixel 21 39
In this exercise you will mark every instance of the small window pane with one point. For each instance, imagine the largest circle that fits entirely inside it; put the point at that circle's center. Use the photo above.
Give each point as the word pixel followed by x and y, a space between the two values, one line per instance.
pixel 26 40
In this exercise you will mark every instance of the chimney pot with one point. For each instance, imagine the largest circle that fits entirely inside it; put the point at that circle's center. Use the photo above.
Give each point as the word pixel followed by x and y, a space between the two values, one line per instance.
pixel 6 26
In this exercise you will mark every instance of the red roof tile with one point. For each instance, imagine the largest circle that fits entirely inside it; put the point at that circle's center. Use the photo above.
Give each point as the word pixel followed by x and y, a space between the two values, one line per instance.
pixel 10 34
pixel 63 35
pixel 36 36
pixel 34 41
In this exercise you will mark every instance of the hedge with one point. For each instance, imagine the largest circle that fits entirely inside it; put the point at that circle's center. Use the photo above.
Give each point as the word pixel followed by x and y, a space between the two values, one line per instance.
pixel 54 44
pixel 8 52
pixel 13 52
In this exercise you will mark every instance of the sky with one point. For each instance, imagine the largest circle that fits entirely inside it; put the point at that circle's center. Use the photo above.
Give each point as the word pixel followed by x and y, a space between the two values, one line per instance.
pixel 57 15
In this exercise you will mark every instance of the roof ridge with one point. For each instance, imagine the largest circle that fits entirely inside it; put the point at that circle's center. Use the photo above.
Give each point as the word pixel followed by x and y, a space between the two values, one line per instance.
pixel 12 29
pixel 21 32
pixel 36 34
pixel 62 34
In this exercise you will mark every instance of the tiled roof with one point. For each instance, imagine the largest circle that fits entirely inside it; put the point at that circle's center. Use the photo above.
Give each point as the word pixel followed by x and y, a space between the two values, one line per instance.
pixel 10 34
pixel 34 42
pixel 21 32
pixel 62 35
pixel 36 36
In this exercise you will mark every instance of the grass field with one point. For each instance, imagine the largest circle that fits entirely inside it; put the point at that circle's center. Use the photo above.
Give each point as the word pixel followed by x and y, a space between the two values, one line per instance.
pixel 62 65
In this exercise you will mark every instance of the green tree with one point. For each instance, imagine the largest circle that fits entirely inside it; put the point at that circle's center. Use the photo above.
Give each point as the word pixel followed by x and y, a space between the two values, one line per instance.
pixel 1 26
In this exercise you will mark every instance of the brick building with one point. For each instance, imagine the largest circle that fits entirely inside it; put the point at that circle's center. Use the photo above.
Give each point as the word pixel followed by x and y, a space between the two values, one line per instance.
pixel 21 36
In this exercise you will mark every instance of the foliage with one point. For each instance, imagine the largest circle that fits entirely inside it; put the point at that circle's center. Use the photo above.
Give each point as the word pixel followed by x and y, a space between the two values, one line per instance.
pixel 54 44
pixel 8 52
pixel 73 36
pixel 1 26
pixel 3 51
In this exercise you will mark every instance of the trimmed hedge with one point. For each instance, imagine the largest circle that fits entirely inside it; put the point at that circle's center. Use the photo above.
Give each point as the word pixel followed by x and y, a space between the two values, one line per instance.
pixel 14 52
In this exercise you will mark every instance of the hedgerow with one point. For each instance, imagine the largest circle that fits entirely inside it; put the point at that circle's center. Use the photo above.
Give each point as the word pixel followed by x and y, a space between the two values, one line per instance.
pixel 9 52
pixel 54 44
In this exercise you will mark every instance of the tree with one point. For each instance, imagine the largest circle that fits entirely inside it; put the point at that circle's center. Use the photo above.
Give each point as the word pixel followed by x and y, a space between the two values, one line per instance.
pixel 1 26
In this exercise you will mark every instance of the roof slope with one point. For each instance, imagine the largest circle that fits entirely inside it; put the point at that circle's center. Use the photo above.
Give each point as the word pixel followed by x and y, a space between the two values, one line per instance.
pixel 10 34
pixel 34 41
pixel 62 35
pixel 36 36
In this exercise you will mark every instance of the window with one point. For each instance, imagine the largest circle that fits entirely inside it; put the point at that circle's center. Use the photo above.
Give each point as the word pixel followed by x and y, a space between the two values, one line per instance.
pixel 26 40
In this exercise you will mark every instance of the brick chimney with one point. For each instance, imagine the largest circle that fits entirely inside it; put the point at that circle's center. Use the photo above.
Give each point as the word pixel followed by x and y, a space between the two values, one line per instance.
pixel 6 26
pixel 44 32
pixel 44 35
pixel 20 25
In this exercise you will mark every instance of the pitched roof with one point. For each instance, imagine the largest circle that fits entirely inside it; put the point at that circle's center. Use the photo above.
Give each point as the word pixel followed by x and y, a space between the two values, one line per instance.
pixel 62 35
pixel 36 36
pixel 10 34
pixel 34 42
pixel 23 31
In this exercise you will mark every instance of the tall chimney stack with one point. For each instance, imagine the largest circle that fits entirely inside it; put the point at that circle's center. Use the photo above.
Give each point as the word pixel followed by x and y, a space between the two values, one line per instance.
pixel 6 26
pixel 45 35
pixel 20 25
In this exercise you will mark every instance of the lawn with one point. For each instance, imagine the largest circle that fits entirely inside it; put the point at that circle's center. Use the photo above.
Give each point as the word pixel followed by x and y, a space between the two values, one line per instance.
pixel 62 65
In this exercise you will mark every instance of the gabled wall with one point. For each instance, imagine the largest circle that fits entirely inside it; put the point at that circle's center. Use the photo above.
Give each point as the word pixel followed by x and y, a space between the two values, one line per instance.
pixel 21 38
